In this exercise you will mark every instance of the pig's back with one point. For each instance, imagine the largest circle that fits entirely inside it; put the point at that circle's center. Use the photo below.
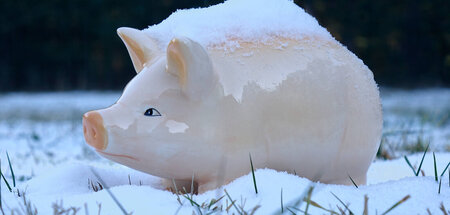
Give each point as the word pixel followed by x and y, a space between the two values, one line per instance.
pixel 301 101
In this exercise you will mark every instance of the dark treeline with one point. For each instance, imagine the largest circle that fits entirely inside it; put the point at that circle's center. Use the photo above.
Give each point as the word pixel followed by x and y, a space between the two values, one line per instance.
pixel 66 45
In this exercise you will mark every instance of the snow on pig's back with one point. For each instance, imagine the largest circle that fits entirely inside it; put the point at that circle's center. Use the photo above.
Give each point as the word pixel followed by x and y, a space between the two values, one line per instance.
pixel 281 88
pixel 245 33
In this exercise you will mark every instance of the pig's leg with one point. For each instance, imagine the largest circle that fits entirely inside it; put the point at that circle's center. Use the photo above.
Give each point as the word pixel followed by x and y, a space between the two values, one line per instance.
pixel 183 186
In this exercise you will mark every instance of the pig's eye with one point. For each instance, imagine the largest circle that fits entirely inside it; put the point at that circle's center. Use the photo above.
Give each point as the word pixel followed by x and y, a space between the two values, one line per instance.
pixel 152 112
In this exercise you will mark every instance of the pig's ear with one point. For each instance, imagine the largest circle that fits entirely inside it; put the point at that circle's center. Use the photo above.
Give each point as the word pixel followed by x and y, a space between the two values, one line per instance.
pixel 142 49
pixel 190 62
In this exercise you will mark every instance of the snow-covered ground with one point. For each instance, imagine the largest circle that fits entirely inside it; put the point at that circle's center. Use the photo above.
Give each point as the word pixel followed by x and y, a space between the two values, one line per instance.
pixel 56 170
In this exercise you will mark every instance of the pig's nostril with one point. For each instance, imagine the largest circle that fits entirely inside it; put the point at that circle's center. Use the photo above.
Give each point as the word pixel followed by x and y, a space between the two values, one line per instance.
pixel 94 132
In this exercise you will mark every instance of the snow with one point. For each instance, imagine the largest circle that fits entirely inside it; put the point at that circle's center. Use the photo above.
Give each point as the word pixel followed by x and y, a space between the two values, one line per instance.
pixel 52 106
pixel 176 127
pixel 43 136
pixel 248 20
pixel 69 183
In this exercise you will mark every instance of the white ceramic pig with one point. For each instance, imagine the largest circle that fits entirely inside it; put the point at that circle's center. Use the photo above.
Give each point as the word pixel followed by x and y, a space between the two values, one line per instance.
pixel 297 102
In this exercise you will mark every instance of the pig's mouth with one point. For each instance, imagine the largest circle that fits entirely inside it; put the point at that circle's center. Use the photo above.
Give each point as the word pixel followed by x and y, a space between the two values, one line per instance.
pixel 117 155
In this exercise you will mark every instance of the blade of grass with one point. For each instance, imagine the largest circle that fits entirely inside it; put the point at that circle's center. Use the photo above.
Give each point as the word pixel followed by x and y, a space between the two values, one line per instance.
pixel 409 164
pixel 178 210
pixel 193 203
pixel 396 204
pixel 346 207
pixel 366 205
pixel 86 210
pixel 308 200
pixel 291 211
pixel 302 197
pixel 435 168
pixel 294 208
pixel 299 210
pixel 12 171
pixel 440 182
pixel 342 211
pixel 232 202
pixel 282 208
pixel 176 191
pixel 6 182
pixel 1 208
pixel 253 210
pixel 296 203
pixel 421 162
pixel 99 208
pixel 315 204
pixel 227 209
pixel 253 173
pixel 192 185
pixel 442 174
pixel 215 201
pixel 109 192
pixel 186 193
pixel 351 179
pixel 442 207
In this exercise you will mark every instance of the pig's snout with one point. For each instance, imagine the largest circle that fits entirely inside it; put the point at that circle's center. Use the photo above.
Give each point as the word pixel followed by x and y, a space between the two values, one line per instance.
pixel 94 131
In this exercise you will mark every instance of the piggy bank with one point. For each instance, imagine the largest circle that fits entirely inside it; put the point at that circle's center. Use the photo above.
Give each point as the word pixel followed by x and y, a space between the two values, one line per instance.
pixel 216 84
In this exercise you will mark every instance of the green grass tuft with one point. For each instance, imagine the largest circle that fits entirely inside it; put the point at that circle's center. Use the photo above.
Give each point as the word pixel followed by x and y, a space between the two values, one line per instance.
pixel 2 176
pixel 176 192
pixel 445 169
pixel 27 208
pixel 297 203
pixel 6 182
pixel 308 200
pixel 94 186
pixel 282 207
pixel 397 204
pixel 110 193
pixel 442 175
pixel 193 203
pixel 416 173
pixel 253 173
pixel 351 179
pixel 232 202
pixel 409 164
pixel 444 211
pixel 435 168
pixel 421 162
pixel 1 208
pixel 346 207
pixel 214 202
pixel 192 185
pixel 440 182
pixel 315 204
pixel 58 208
pixel 12 171
pixel 366 205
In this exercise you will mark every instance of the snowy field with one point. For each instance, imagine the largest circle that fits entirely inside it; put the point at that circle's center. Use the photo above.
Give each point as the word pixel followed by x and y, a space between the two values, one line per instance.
pixel 55 171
